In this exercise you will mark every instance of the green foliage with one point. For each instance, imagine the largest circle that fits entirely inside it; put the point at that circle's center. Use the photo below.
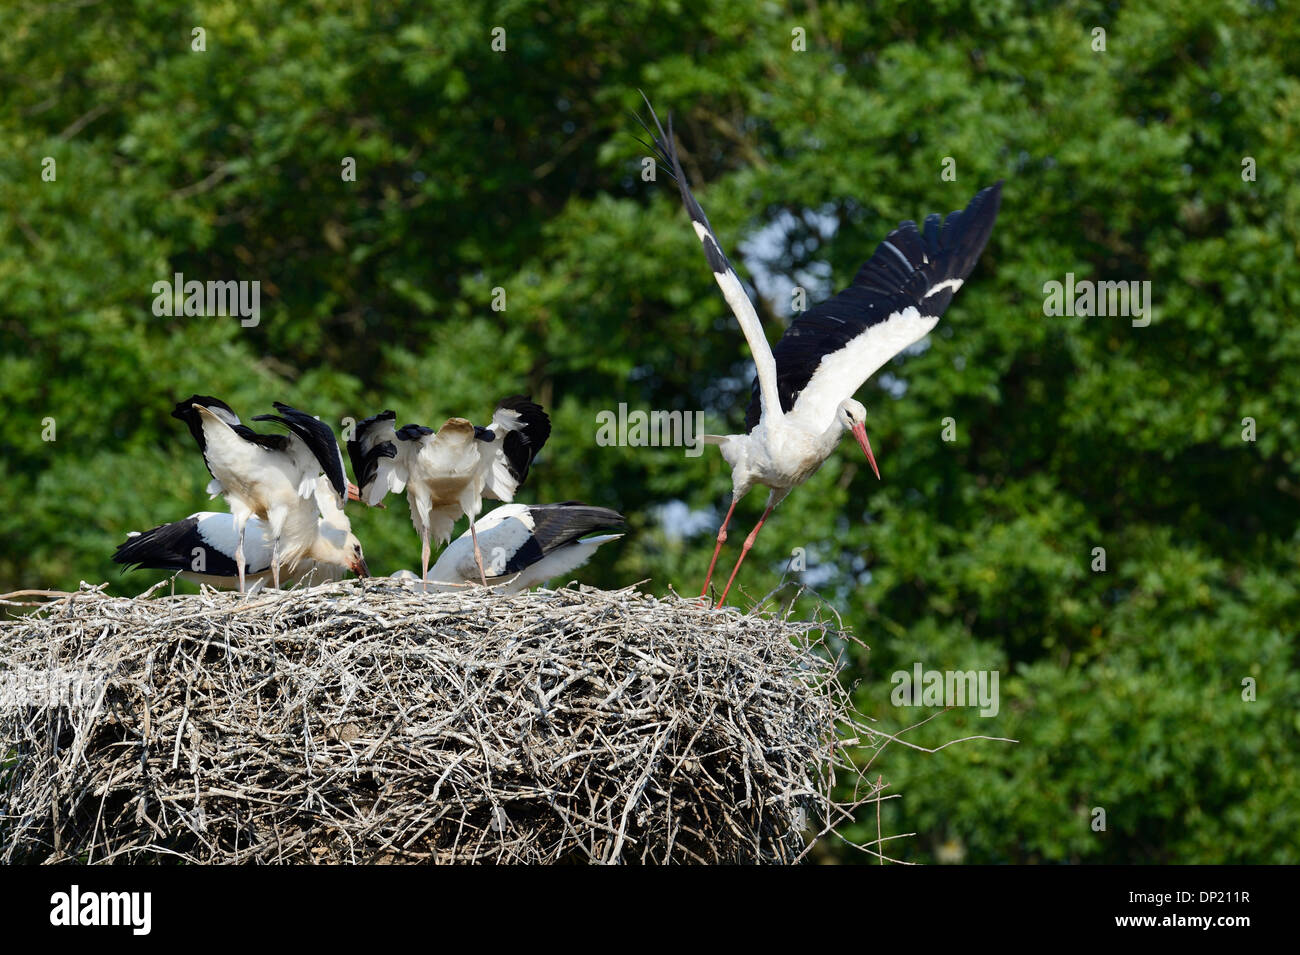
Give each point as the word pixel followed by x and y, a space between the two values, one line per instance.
pixel 478 169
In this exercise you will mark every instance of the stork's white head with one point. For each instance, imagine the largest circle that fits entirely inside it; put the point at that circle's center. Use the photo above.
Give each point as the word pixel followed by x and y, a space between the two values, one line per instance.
pixel 853 417
pixel 335 545
pixel 356 561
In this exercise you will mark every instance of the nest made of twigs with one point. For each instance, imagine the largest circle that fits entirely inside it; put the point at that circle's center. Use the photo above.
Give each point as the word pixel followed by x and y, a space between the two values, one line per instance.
pixel 367 721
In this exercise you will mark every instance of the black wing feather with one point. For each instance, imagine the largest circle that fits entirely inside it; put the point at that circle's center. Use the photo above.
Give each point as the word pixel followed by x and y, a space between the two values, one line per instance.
pixel 412 432
pixel 184 411
pixel 319 438
pixel 903 269
pixel 171 547
pixel 555 525
pixel 664 146
pixel 521 447
pixel 365 464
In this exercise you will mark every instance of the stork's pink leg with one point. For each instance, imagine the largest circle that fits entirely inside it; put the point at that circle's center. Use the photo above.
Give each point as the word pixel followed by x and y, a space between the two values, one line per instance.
pixel 722 539
pixel 478 557
pixel 749 542
pixel 424 562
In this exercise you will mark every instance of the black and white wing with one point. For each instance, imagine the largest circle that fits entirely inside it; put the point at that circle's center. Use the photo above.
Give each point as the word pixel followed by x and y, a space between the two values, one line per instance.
pixel 203 543
pixel 518 431
pixel 557 525
pixel 528 543
pixel 732 289
pixel 895 300
pixel 318 439
pixel 374 458
pixel 559 543
pixel 221 413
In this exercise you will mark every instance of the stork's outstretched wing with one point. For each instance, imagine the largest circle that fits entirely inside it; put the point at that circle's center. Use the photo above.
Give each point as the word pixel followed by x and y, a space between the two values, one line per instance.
pixel 375 464
pixel 517 433
pixel 318 437
pixel 732 289
pixel 895 300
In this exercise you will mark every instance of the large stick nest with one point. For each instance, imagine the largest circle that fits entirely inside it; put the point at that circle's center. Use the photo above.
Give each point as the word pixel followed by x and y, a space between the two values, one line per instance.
pixel 369 722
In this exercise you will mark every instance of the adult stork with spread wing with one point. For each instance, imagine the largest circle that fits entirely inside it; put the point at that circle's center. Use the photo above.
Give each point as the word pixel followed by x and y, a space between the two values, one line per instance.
pixel 802 399
pixel 269 476
pixel 448 472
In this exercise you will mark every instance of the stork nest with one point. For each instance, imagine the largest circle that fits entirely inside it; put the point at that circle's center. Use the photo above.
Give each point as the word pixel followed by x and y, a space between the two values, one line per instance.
pixel 367 722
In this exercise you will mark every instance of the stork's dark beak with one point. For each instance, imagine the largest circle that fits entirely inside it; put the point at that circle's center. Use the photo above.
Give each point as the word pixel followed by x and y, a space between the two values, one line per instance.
pixel 860 432
pixel 360 569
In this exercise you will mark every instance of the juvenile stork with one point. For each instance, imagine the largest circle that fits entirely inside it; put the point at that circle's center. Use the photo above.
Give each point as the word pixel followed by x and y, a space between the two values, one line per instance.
pixel 202 546
pixel 447 473
pixel 802 400
pixel 525 546
pixel 268 476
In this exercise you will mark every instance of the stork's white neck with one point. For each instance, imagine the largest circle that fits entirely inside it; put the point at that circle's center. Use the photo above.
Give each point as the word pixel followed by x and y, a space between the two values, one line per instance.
pixel 822 441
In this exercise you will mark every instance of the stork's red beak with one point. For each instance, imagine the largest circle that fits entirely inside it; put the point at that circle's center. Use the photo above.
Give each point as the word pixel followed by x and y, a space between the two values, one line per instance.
pixel 354 494
pixel 860 432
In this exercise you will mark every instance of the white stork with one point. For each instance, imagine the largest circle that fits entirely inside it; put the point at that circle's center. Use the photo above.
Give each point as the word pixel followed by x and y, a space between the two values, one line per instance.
pixel 802 397
pixel 268 476
pixel 447 473
pixel 202 546
pixel 525 546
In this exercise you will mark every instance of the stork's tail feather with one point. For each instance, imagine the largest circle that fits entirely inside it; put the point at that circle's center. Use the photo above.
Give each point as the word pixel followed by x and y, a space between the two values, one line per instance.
pixel 159 548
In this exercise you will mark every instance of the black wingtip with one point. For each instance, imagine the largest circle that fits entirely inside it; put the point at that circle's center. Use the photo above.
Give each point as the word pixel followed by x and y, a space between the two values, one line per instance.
pixel 975 227
pixel 988 201
pixel 536 423
pixel 365 466
pixel 121 555
pixel 665 148
pixel 608 514
pixel 659 142
pixel 365 423
pixel 184 411
pixel 166 547
pixel 412 432
pixel 319 438
pixel 522 445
